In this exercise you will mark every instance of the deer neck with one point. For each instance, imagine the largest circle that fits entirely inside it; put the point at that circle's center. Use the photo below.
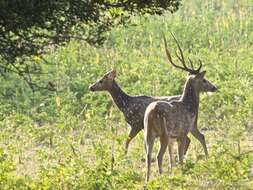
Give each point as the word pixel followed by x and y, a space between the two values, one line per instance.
pixel 191 98
pixel 119 97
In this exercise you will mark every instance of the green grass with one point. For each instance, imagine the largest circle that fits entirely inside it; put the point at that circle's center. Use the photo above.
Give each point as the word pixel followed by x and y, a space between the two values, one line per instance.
pixel 74 139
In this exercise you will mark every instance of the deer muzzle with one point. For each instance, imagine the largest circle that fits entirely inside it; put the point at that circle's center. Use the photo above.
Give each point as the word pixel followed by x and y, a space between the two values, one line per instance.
pixel 214 89
pixel 91 88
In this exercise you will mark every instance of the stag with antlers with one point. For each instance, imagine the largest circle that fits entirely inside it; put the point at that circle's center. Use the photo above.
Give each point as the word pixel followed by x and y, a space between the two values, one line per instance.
pixel 174 119
pixel 133 107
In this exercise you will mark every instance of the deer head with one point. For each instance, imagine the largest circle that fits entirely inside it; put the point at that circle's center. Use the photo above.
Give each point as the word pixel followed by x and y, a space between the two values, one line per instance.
pixel 201 84
pixel 105 83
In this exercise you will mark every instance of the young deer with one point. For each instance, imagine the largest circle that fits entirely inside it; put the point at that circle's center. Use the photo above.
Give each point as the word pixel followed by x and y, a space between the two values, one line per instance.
pixel 174 119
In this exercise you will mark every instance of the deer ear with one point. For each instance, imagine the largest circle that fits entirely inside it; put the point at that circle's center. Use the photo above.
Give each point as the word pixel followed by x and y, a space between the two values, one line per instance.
pixel 201 74
pixel 112 74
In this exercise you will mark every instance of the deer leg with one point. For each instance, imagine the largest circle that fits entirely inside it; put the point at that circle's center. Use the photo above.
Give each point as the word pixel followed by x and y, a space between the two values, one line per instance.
pixel 163 146
pixel 201 138
pixel 187 143
pixel 170 148
pixel 181 148
pixel 133 132
pixel 149 142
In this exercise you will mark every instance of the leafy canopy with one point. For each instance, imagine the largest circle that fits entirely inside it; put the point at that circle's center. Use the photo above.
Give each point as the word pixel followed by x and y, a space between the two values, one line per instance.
pixel 31 27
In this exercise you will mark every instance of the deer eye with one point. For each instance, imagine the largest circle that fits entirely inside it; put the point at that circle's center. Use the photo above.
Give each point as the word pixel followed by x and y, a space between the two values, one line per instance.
pixel 204 80
pixel 100 82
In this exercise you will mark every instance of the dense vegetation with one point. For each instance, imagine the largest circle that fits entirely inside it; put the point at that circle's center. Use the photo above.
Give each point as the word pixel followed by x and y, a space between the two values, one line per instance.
pixel 73 139
pixel 30 28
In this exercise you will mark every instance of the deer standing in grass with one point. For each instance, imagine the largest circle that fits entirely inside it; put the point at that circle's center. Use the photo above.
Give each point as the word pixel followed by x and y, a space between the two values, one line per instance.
pixel 174 119
pixel 133 107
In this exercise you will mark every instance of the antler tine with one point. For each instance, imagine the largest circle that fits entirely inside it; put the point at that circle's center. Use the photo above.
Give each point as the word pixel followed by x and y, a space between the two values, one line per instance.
pixel 181 52
pixel 195 71
pixel 200 65
pixel 191 63
pixel 168 54
pixel 181 58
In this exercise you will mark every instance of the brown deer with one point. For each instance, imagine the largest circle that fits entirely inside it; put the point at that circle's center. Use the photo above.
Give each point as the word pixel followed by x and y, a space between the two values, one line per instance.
pixel 133 107
pixel 174 119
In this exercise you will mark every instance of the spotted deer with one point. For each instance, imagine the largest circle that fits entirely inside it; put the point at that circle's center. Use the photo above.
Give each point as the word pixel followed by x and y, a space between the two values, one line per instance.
pixel 133 107
pixel 174 119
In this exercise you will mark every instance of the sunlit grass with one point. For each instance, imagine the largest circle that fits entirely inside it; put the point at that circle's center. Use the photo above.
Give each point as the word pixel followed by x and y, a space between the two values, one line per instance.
pixel 74 139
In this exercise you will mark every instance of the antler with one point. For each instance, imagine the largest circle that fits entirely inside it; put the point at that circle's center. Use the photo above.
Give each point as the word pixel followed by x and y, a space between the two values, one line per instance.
pixel 180 58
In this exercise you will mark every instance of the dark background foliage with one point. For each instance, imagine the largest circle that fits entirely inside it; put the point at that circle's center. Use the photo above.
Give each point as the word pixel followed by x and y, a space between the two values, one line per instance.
pixel 31 27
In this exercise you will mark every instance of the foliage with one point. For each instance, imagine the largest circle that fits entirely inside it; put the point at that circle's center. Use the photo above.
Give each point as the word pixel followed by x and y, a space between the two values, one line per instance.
pixel 7 179
pixel 32 27
pixel 74 139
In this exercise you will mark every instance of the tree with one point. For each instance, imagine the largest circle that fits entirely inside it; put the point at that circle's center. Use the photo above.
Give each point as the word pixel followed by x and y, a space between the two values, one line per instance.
pixel 29 27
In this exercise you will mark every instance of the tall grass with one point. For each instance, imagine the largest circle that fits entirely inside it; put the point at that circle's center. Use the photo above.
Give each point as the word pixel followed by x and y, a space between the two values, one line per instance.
pixel 73 139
